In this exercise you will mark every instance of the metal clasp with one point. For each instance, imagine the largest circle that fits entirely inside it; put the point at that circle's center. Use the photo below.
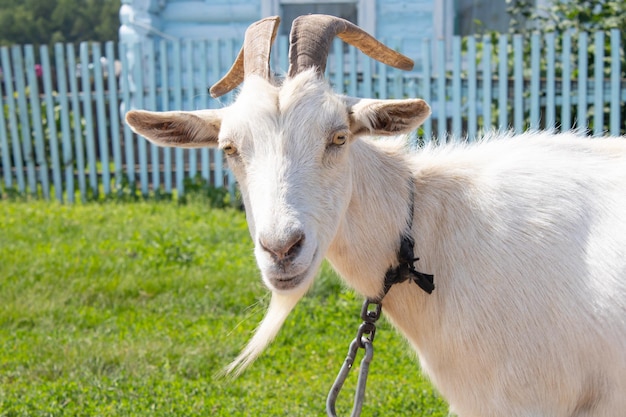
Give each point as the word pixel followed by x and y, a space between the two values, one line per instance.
pixel 364 339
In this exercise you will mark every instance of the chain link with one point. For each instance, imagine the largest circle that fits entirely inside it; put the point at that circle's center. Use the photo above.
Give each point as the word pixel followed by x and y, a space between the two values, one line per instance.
pixel 364 340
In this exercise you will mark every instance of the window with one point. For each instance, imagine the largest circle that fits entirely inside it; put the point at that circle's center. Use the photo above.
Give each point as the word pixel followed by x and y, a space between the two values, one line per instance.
pixel 290 11
pixel 360 12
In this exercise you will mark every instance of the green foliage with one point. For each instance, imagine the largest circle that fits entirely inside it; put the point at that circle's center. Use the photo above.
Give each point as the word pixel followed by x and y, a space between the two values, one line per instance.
pixel 575 17
pixel 562 15
pixel 132 309
pixel 51 21
pixel 45 123
pixel 200 190
pixel 197 190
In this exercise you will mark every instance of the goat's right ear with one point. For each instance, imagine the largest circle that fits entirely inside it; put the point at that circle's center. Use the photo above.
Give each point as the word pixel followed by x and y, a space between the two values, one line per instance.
pixel 192 129
pixel 386 117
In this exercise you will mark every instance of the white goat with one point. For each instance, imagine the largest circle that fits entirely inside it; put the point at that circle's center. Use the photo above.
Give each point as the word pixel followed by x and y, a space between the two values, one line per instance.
pixel 525 236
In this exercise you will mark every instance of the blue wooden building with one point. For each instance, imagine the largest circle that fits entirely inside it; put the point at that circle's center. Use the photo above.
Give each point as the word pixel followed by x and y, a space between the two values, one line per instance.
pixel 207 19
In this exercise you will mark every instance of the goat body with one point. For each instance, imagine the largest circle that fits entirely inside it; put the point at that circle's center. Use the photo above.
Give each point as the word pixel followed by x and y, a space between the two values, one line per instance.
pixel 525 236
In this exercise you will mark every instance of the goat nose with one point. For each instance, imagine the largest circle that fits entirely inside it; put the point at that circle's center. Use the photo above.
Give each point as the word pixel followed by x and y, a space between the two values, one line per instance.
pixel 283 249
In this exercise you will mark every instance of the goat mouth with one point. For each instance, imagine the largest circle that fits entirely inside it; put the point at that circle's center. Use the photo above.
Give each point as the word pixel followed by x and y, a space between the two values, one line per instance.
pixel 286 283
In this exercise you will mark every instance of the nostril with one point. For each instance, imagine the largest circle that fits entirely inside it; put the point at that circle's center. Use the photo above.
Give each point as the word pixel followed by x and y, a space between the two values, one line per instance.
pixel 283 249
pixel 295 246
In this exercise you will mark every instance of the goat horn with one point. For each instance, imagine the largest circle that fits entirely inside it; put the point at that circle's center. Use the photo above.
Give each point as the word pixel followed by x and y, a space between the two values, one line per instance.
pixel 253 58
pixel 312 35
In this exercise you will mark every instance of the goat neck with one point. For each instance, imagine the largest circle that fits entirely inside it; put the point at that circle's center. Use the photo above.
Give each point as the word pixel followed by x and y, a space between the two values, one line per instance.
pixel 380 184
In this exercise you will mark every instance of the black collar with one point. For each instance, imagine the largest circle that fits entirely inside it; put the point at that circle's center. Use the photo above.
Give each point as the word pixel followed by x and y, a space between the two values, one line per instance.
pixel 406 259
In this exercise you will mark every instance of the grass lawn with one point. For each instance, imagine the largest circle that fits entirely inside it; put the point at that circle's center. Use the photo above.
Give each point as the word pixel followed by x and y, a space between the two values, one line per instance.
pixel 131 309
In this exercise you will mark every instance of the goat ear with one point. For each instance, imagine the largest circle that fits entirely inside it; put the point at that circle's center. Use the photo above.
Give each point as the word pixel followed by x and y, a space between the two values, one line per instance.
pixel 194 129
pixel 386 117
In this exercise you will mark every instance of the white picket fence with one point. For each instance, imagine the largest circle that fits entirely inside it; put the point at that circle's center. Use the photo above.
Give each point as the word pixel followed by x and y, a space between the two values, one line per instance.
pixel 62 134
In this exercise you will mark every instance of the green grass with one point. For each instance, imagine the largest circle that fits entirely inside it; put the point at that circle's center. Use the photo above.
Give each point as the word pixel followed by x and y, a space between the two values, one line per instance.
pixel 131 309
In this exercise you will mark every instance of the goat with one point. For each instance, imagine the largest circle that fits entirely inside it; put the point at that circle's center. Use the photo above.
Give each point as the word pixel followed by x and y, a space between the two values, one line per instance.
pixel 525 235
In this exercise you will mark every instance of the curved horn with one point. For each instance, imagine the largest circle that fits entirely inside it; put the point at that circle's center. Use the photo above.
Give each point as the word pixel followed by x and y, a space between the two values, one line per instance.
pixel 253 58
pixel 312 35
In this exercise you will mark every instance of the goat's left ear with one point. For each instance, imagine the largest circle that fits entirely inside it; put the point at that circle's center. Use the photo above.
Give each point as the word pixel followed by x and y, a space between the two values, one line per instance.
pixel 191 129
pixel 386 117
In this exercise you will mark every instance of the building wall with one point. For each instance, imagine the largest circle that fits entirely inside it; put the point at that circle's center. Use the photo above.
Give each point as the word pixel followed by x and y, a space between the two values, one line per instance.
pixel 202 19
pixel 198 19
pixel 187 19
pixel 409 20
pixel 404 18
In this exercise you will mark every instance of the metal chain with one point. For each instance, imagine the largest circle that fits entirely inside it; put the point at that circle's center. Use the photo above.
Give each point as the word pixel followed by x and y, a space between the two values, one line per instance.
pixel 364 339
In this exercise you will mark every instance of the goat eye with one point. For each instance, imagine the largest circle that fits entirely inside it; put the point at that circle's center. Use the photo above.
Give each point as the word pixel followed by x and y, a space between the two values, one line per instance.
pixel 339 138
pixel 229 149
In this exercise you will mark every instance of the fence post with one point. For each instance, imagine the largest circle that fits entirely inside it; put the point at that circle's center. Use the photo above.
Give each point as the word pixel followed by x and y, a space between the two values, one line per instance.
pixel 101 120
pixel 4 146
pixel 566 83
pixel 138 81
pixel 178 104
pixel 503 83
pixel 427 86
pixel 442 127
pixel 598 84
pixel 191 153
pixel 51 123
pixel 205 167
pixel 63 92
pixel 152 105
pixel 129 153
pixel 616 88
pixel 535 74
pixel 456 88
pixel 581 121
pixel 472 98
pixel 550 80
pixel 487 83
pixel 114 113
pixel 518 84
pixel 22 106
pixel 165 103
pixel 78 134
pixel 88 114
pixel 36 120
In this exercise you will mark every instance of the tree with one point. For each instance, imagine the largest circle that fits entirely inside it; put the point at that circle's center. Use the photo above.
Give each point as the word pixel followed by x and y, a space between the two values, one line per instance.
pixel 574 17
pixel 562 15
pixel 51 21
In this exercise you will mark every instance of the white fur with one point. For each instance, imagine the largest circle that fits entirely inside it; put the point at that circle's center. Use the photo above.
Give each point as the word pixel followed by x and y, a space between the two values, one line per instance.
pixel 525 236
